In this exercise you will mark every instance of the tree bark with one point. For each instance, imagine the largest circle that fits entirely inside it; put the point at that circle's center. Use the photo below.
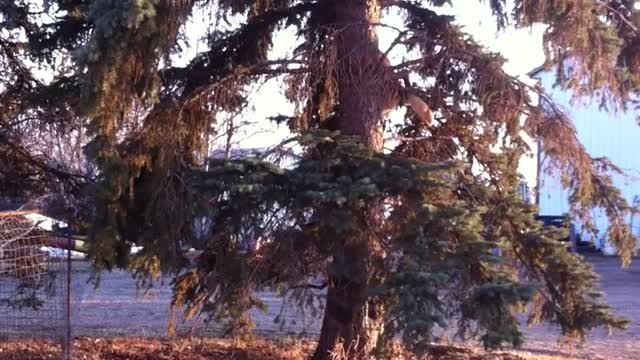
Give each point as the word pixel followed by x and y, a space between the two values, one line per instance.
pixel 352 320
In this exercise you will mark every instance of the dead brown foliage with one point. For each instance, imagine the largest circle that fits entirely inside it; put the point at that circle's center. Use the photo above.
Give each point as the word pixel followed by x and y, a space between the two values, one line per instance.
pixel 152 349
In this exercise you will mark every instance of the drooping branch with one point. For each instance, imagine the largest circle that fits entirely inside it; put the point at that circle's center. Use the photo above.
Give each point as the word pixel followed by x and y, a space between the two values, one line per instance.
pixel 571 156
pixel 622 17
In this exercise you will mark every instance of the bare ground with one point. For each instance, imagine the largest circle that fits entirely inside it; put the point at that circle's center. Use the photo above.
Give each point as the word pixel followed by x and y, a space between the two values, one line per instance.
pixel 114 310
pixel 622 290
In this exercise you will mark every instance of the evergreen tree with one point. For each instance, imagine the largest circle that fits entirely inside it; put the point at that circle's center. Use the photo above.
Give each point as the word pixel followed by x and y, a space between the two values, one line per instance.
pixel 401 240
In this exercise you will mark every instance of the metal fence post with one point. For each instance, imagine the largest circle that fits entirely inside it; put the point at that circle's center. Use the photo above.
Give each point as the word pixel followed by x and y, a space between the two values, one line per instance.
pixel 67 339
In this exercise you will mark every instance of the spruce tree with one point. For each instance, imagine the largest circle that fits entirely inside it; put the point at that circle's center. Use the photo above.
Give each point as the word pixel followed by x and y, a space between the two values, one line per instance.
pixel 401 240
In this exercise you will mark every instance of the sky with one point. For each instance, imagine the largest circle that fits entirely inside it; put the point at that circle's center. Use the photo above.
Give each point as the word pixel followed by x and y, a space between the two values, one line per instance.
pixel 521 47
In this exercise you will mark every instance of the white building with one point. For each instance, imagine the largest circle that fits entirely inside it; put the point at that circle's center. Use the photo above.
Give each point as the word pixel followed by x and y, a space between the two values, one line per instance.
pixel 615 136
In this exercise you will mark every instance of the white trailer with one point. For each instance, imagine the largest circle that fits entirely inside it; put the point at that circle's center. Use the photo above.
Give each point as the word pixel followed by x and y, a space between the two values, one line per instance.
pixel 615 136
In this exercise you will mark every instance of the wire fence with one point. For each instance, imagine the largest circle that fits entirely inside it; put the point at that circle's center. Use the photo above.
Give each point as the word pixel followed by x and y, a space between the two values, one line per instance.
pixel 48 297
pixel 34 292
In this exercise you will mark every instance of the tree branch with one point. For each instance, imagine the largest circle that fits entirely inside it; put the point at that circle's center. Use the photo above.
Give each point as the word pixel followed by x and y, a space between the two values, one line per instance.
pixel 622 17
pixel 311 286
pixel 406 64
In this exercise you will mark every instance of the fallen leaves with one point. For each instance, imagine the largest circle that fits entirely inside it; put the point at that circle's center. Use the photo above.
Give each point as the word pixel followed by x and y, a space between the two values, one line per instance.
pixel 198 349
pixel 158 349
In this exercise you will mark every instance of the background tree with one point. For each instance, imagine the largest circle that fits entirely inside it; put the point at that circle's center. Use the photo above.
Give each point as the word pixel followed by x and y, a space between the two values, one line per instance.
pixel 402 240
pixel 41 140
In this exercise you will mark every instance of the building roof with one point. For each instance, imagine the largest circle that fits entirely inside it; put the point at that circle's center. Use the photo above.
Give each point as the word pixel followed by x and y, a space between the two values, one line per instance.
pixel 9 206
pixel 279 156
pixel 549 65
pixel 237 153
pixel 537 70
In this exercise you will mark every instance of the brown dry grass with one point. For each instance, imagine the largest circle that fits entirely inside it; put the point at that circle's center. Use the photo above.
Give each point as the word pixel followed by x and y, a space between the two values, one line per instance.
pixel 152 349
pixel 211 349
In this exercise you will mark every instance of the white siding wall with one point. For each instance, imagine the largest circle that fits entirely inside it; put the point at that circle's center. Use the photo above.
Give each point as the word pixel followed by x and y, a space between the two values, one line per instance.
pixel 615 136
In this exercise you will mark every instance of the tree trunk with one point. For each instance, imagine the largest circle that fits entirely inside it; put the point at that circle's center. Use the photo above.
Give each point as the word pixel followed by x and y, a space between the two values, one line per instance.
pixel 352 321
